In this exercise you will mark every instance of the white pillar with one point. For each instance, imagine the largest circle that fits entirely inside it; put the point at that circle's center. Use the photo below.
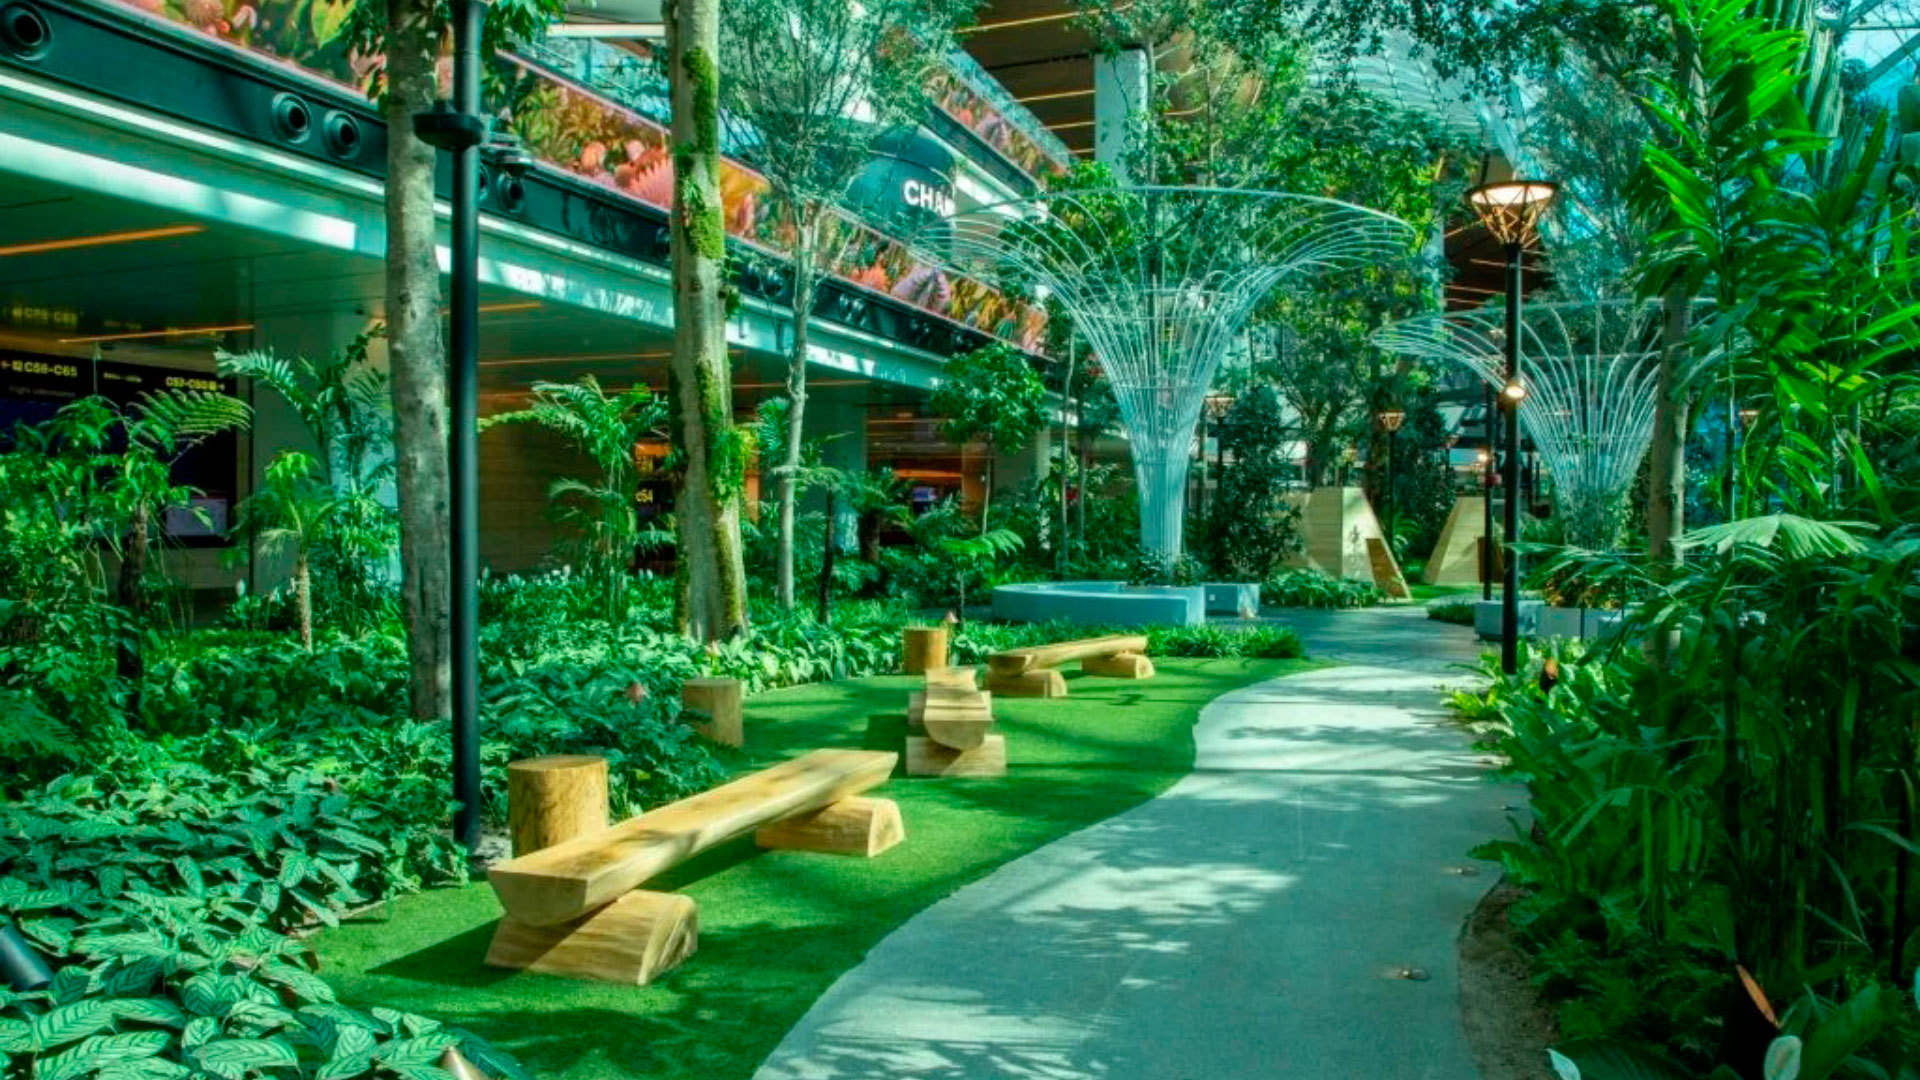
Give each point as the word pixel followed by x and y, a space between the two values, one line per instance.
pixel 1120 90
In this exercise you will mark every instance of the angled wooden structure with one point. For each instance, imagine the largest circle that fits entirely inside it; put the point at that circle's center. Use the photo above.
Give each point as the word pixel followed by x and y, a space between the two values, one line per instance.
pixel 1335 525
pixel 717 708
pixel 1457 555
pixel 576 908
pixel 1034 671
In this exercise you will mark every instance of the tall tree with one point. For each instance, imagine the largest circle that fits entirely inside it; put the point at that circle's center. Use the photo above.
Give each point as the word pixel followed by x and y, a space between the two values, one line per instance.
pixel 810 84
pixel 711 451
pixel 410 34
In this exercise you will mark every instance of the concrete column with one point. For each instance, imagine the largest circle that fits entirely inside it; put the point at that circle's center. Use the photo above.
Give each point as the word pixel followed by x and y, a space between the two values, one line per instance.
pixel 839 419
pixel 1120 91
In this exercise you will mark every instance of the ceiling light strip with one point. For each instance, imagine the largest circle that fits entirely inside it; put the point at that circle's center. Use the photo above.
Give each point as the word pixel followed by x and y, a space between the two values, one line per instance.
pixel 101 240
pixel 185 331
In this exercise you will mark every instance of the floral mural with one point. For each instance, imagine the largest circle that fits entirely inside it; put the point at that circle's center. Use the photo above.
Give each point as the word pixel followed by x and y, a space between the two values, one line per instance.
pixel 573 128
pixel 978 115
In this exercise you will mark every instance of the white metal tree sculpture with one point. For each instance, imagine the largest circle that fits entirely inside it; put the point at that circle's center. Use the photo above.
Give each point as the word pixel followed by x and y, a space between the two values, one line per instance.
pixel 1591 372
pixel 1160 281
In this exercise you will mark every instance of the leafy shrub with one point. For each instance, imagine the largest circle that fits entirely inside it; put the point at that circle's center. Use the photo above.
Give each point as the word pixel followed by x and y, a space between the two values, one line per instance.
pixel 978 640
pixel 1313 589
pixel 163 905
pixel 1458 612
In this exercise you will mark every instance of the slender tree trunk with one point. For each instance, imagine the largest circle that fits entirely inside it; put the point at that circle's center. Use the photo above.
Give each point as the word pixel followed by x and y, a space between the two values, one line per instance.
pixel 303 597
pixel 418 359
pixel 1666 459
pixel 826 565
pixel 132 594
pixel 986 491
pixel 712 576
pixel 1068 421
pixel 1086 463
pixel 804 280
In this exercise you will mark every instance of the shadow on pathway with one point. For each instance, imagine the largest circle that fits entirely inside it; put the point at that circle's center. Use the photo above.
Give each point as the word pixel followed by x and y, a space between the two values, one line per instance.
pixel 1255 921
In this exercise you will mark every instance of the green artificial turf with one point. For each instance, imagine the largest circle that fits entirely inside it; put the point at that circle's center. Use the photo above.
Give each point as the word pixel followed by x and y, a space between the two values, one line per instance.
pixel 776 928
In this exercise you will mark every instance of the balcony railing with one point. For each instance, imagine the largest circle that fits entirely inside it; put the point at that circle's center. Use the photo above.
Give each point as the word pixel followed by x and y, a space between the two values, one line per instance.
pixel 584 111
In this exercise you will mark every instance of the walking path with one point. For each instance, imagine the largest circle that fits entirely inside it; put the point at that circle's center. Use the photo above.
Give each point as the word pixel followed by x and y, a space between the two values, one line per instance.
pixel 1259 920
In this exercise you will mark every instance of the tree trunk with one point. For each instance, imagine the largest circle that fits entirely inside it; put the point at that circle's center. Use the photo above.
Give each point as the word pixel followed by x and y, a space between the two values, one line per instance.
pixel 1667 457
pixel 303 598
pixel 803 286
pixel 418 360
pixel 132 594
pixel 712 577
pixel 826 566
pixel 986 490
pixel 1086 463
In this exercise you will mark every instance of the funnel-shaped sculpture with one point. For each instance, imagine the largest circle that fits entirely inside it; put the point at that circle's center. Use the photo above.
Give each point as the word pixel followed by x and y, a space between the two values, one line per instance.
pixel 1160 282
pixel 1591 372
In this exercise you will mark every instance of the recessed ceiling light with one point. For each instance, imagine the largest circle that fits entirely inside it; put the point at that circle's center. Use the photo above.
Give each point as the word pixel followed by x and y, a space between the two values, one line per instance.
pixel 101 239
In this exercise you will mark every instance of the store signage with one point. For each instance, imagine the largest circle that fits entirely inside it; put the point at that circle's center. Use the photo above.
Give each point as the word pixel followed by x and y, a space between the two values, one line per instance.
pixel 922 195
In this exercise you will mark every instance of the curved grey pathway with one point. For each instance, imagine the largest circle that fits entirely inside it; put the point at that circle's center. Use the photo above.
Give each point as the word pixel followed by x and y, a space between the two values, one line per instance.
pixel 1252 922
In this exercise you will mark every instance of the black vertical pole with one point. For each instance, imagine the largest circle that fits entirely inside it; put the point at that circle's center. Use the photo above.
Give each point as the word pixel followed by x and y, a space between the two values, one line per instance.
pixel 1487 550
pixel 1510 407
pixel 1393 437
pixel 463 402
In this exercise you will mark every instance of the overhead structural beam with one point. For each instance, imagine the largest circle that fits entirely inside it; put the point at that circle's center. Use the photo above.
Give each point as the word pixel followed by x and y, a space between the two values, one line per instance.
pixel 615 31
pixel 1893 59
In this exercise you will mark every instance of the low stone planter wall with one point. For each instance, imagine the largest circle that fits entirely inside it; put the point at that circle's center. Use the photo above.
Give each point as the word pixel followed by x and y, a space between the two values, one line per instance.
pixel 1487 618
pixel 1111 603
pixel 1232 599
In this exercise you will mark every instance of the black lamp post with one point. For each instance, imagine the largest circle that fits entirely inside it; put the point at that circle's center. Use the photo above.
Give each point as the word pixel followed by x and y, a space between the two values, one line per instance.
pixel 1390 421
pixel 459 128
pixel 1511 209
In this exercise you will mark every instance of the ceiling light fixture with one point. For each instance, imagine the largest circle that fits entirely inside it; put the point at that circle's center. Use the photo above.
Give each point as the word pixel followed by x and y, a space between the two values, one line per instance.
pixel 101 239
pixel 1060 96
pixel 185 331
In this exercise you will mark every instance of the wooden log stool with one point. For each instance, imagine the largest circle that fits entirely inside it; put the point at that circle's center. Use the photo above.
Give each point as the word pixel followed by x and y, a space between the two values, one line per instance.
pixel 717 709
pixel 553 799
pixel 926 648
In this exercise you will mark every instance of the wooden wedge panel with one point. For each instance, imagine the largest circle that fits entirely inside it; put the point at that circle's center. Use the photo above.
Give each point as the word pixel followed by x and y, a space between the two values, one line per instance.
pixel 632 940
pixel 568 880
pixel 1016 661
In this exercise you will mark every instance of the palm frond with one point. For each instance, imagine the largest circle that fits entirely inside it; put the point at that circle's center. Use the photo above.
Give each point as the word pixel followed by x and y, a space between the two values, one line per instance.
pixel 166 418
pixel 1790 535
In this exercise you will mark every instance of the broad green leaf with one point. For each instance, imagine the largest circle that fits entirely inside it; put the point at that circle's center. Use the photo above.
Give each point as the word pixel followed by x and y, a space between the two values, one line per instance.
pixel 101 1051
pixel 69 1022
pixel 233 1058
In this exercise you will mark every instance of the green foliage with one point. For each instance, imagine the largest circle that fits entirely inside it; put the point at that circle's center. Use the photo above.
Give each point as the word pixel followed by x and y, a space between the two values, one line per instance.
pixel 1457 612
pixel 292 509
pixel 977 640
pixel 1313 589
pixel 1253 526
pixel 994 395
pixel 599 510
pixel 1747 803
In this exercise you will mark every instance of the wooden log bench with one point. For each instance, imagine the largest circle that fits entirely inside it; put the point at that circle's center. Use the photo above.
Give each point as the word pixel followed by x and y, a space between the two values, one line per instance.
pixel 576 908
pixel 1034 671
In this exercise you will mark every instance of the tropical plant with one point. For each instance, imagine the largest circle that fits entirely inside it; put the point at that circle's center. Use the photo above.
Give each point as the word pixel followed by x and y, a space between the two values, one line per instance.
pixel 291 511
pixel 601 510
pixel 1254 526
pixel 991 394
pixel 1313 589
